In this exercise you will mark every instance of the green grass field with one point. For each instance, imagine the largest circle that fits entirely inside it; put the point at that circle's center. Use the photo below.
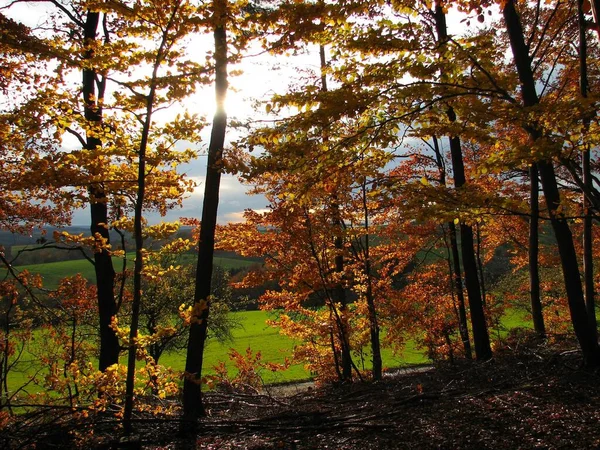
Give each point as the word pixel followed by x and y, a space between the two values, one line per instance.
pixel 253 333
pixel 53 272
pixel 256 334
pixel 274 347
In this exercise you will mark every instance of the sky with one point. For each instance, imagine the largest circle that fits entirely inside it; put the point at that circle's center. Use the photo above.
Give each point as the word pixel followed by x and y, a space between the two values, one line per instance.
pixel 233 198
pixel 260 76
pixel 256 80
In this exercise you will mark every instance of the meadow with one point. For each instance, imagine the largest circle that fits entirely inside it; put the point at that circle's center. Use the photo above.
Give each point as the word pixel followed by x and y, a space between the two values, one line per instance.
pixel 53 272
pixel 253 331
pixel 256 334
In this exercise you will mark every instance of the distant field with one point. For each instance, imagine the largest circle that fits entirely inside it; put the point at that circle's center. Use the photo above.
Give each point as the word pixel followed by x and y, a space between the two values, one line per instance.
pixel 253 333
pixel 53 272
pixel 274 347
pixel 257 335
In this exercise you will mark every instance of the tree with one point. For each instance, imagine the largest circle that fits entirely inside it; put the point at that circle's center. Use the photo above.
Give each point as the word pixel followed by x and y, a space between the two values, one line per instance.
pixel 454 259
pixel 168 25
pixel 165 301
pixel 591 351
pixel 16 330
pixel 588 262
pixel 192 389
pixel 26 64
pixel 103 172
pixel 300 255
pixel 93 100
pixel 339 291
pixel 483 350
pixel 65 347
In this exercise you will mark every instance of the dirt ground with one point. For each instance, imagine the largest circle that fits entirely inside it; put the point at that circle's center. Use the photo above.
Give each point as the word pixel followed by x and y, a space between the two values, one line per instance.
pixel 530 395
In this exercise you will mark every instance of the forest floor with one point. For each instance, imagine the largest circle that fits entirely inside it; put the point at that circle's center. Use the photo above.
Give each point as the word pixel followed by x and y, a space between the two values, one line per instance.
pixel 531 395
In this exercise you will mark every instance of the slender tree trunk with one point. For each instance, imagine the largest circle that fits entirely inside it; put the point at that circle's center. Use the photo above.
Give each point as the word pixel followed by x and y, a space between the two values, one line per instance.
pixel 103 267
pixel 483 350
pixel 562 232
pixel 588 258
pixel 455 263
pixel 138 224
pixel 192 392
pixel 481 339
pixel 339 295
pixel 480 265
pixel 336 358
pixel 5 397
pixel 138 266
pixel 534 273
pixel 339 292
pixel 72 358
pixel 588 261
pixel 462 311
pixel 373 322
pixel 374 332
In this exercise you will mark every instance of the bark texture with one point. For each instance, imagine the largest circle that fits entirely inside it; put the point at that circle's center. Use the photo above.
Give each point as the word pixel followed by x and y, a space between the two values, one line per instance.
pixel 533 252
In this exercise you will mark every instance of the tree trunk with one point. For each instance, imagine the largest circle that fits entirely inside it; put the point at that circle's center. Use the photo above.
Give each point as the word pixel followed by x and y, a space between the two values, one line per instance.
pixel 138 225
pixel 138 220
pixel 339 296
pixel 455 273
pixel 480 265
pixel 139 260
pixel 458 286
pixel 534 273
pixel 339 292
pixel 481 339
pixel 588 261
pixel 103 267
pixel 373 322
pixel 192 392
pixel 562 232
pixel 377 370
pixel 588 258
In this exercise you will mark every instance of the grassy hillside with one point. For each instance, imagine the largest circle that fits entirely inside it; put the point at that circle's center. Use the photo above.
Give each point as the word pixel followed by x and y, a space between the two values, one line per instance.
pixel 257 335
pixel 53 272
pixel 253 333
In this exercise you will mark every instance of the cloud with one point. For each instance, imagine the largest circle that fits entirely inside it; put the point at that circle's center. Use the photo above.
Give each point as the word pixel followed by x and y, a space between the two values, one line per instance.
pixel 234 217
pixel 233 200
